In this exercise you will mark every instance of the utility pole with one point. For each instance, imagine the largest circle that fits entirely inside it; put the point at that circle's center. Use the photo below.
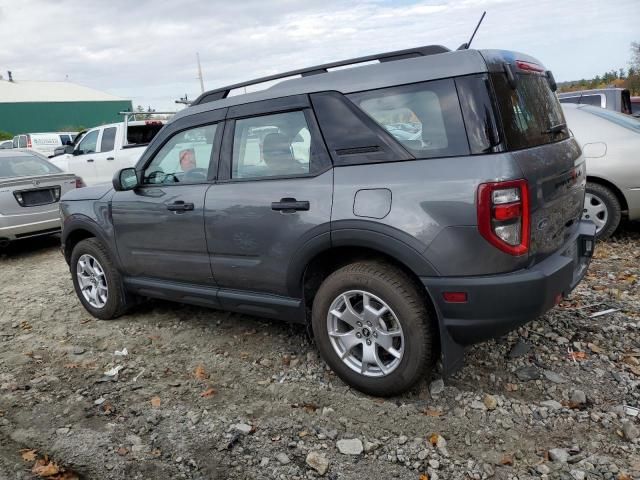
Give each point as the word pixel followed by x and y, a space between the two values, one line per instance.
pixel 200 73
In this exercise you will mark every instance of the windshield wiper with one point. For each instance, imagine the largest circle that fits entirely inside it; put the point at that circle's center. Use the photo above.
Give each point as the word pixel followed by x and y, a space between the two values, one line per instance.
pixel 556 128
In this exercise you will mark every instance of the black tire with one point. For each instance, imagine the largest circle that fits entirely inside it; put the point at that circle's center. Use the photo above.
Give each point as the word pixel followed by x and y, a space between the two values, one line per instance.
pixel 612 205
pixel 406 300
pixel 118 299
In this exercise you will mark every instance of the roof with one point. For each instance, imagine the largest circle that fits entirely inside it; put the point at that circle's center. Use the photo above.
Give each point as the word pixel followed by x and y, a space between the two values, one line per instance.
pixel 358 78
pixel 33 91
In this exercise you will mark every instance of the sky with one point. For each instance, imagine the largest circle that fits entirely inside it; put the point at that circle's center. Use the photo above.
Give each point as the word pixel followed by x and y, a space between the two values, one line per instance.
pixel 146 50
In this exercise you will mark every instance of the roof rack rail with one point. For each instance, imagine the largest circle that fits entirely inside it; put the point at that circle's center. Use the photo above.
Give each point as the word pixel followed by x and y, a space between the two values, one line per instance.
pixel 220 93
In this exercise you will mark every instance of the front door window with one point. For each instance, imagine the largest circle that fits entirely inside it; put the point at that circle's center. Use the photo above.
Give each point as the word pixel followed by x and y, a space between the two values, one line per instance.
pixel 185 158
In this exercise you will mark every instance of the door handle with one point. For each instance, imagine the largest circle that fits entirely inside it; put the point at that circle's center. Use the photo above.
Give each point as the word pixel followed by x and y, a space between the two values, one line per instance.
pixel 180 206
pixel 89 160
pixel 290 205
pixel 110 158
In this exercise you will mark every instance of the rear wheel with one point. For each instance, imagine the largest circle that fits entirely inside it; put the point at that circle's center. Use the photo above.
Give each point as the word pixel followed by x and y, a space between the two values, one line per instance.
pixel 602 207
pixel 372 327
pixel 97 282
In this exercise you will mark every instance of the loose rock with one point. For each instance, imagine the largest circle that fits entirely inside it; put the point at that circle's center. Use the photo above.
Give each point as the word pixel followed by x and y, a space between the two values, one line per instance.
pixel 352 446
pixel 318 462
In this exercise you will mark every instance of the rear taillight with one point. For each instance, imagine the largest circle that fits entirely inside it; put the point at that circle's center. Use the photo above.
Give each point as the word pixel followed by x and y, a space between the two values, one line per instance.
pixel 28 141
pixel 503 215
pixel 80 183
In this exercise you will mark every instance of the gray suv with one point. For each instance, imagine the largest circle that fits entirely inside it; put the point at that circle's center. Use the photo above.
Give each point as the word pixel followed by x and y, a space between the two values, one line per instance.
pixel 402 209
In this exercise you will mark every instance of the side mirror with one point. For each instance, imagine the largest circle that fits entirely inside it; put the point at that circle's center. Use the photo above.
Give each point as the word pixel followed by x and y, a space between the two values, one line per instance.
pixel 125 179
pixel 68 149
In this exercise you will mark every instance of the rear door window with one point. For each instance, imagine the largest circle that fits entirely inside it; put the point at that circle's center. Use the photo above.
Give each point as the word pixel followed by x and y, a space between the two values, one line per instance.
pixel 529 111
pixel 108 139
pixel 425 118
pixel 570 100
pixel 595 100
pixel 271 146
pixel 22 141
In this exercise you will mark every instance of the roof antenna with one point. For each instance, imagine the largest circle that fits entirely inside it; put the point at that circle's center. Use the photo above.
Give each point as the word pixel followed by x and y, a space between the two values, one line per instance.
pixel 465 46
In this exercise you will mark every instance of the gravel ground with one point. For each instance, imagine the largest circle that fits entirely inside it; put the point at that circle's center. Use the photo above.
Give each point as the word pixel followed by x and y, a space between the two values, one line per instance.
pixel 203 394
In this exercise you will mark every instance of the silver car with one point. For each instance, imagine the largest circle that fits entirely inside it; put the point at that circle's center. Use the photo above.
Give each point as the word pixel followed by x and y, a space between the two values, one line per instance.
pixel 30 190
pixel 611 145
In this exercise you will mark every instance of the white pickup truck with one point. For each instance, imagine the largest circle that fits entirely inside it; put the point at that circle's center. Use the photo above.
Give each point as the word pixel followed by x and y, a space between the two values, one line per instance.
pixel 106 149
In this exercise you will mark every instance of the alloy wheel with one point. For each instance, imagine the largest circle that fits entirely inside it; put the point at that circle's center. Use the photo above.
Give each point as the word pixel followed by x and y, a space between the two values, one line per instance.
pixel 365 333
pixel 92 281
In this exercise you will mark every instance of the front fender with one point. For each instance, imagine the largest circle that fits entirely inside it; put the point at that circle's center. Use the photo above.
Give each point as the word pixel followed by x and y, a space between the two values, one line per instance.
pixel 75 225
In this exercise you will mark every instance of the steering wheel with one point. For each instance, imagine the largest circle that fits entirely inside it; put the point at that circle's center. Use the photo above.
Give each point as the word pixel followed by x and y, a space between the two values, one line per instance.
pixel 195 174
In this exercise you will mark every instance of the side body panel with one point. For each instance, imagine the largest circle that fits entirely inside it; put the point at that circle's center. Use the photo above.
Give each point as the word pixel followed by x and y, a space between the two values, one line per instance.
pixel 251 246
pixel 155 242
pixel 432 209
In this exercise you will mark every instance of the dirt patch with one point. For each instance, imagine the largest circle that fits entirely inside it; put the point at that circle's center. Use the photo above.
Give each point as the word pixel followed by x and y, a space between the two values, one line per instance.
pixel 204 394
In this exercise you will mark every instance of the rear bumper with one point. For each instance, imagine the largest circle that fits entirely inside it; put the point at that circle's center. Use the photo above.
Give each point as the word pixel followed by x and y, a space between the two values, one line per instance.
pixel 14 227
pixel 497 304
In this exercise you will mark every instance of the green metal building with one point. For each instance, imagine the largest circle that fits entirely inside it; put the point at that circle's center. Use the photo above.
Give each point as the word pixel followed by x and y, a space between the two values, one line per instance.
pixel 27 107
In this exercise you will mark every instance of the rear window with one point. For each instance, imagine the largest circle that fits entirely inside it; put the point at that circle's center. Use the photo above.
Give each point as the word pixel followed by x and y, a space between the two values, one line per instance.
pixel 137 134
pixel 425 118
pixel 528 111
pixel 25 166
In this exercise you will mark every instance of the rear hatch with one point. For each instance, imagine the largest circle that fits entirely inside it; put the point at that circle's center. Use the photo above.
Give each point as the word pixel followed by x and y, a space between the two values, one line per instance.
pixel 535 133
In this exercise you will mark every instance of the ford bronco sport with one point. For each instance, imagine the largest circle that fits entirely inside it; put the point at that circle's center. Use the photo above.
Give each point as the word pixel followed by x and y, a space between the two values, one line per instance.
pixel 402 209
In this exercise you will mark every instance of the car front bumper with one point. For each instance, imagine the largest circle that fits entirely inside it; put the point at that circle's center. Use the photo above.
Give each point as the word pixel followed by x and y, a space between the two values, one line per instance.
pixel 497 304
pixel 14 227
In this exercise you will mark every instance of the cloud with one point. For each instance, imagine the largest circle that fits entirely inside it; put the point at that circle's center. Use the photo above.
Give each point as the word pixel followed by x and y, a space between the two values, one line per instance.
pixel 145 50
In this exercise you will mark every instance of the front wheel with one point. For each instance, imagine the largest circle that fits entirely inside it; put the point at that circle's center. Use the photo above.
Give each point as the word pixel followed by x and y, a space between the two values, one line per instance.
pixel 602 207
pixel 372 327
pixel 97 282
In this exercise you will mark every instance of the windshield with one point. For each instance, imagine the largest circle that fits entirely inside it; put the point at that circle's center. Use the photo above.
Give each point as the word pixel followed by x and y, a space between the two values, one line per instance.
pixel 621 119
pixel 25 166
pixel 531 113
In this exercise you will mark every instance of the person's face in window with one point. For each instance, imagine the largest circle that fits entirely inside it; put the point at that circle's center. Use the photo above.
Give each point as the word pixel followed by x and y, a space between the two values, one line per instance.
pixel 187 160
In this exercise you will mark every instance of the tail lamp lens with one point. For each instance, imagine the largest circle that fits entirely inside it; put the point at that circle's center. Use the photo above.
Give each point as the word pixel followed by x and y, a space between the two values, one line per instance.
pixel 503 215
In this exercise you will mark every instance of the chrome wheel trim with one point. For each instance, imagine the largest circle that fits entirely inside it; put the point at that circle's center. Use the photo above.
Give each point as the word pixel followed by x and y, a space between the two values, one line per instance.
pixel 595 210
pixel 365 333
pixel 92 281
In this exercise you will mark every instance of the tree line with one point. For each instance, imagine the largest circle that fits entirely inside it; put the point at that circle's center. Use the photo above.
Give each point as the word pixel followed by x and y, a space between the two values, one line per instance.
pixel 621 78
